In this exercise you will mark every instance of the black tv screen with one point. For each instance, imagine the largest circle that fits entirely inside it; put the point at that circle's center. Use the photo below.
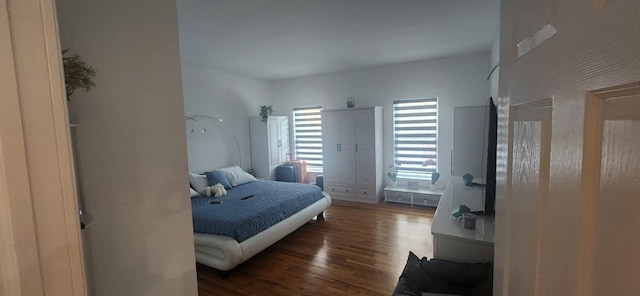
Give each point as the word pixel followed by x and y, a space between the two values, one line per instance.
pixel 492 145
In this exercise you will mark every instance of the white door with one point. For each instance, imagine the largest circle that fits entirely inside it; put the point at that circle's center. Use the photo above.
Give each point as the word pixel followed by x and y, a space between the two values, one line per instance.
pixel 40 247
pixel 274 139
pixel 283 138
pixel 276 130
pixel 575 231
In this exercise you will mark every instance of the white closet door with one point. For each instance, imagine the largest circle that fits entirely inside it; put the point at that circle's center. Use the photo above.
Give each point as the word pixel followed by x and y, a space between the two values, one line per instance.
pixel 346 141
pixel 273 136
pixel 365 148
pixel 330 157
pixel 283 139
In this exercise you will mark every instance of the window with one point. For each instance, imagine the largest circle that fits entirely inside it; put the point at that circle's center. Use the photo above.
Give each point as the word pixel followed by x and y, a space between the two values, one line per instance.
pixel 415 135
pixel 307 136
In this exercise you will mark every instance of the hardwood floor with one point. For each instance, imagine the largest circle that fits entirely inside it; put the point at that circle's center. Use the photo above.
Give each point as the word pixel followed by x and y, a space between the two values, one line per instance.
pixel 359 249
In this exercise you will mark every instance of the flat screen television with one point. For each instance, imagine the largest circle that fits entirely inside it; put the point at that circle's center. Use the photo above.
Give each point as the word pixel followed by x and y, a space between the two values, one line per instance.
pixel 474 154
pixel 492 145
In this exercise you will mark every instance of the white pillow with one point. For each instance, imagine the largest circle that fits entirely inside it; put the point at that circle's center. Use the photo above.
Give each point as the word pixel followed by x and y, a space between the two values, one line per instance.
pixel 237 176
pixel 193 193
pixel 198 182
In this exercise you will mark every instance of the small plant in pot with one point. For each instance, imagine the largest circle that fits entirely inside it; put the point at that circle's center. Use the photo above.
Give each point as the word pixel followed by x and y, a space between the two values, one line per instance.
pixel 434 178
pixel 77 73
pixel 265 112
pixel 393 174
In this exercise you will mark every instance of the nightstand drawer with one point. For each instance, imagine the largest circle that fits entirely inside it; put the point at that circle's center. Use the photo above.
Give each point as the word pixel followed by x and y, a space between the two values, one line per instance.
pixel 426 199
pixel 403 198
pixel 399 195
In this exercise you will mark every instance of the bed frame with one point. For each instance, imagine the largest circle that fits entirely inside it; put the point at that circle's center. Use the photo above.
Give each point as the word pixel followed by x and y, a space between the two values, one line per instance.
pixel 224 253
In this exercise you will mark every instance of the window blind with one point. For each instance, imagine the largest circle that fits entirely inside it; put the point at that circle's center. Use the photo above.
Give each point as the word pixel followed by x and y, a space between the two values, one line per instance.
pixel 415 133
pixel 307 133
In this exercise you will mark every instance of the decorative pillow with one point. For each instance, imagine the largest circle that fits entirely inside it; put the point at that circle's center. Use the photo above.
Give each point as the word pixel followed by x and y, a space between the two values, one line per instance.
pixel 237 176
pixel 193 192
pixel 216 177
pixel 198 182
pixel 413 280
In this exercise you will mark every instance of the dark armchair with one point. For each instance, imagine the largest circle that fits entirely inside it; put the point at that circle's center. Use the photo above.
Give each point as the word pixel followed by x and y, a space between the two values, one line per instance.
pixel 445 277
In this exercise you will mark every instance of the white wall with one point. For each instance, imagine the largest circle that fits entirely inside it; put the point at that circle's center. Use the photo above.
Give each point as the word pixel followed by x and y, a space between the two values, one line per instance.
pixel 233 98
pixel 456 81
pixel 133 160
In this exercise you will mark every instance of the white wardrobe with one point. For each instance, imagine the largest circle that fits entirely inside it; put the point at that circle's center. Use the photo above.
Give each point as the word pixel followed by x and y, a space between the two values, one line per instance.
pixel 269 144
pixel 352 154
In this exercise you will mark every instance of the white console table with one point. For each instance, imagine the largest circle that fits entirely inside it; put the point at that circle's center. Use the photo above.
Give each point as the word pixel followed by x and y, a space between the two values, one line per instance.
pixel 454 242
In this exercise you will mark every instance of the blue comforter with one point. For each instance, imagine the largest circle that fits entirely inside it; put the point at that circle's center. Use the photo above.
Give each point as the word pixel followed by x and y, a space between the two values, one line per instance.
pixel 250 208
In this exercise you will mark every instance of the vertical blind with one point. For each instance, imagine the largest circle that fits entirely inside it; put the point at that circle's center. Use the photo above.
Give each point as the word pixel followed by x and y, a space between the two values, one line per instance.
pixel 415 134
pixel 307 133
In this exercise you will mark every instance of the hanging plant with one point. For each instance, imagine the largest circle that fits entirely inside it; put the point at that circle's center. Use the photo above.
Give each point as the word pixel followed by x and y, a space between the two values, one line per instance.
pixel 77 74
pixel 265 112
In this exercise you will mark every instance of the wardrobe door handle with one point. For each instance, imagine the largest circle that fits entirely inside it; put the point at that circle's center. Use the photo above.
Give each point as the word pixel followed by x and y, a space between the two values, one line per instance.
pixel 356 147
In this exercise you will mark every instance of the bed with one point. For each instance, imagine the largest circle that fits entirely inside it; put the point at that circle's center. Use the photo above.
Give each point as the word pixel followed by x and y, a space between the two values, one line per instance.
pixel 252 216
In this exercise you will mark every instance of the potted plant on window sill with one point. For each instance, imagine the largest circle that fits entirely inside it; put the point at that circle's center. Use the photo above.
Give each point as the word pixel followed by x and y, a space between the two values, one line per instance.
pixel 434 178
pixel 393 174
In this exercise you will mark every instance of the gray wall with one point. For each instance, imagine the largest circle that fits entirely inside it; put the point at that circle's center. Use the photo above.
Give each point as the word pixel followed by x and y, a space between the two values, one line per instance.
pixel 230 97
pixel 131 143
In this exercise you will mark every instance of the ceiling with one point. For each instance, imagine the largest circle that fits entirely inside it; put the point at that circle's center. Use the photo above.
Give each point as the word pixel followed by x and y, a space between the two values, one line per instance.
pixel 281 39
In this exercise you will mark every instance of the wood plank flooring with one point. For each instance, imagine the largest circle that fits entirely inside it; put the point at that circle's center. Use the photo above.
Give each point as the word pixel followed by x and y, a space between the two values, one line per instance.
pixel 359 249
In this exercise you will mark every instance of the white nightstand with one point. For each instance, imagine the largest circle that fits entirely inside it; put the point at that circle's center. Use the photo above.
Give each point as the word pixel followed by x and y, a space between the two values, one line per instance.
pixel 421 196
